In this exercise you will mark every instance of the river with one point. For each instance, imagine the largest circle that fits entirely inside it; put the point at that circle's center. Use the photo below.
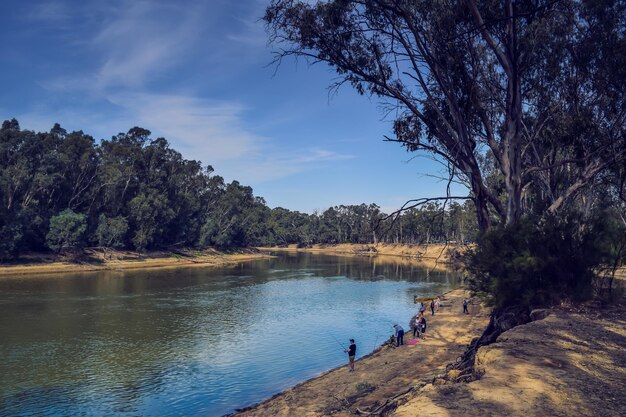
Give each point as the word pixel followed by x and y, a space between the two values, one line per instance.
pixel 194 341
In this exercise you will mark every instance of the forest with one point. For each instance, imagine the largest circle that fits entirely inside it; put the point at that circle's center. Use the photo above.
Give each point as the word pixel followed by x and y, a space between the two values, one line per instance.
pixel 62 191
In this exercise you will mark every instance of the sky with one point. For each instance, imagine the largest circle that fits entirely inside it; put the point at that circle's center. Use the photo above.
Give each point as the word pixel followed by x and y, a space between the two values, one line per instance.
pixel 199 73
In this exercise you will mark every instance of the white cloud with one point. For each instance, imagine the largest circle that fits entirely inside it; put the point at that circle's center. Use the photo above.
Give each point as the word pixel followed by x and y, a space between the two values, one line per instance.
pixel 142 41
pixel 202 129
pixel 213 132
pixel 250 33
pixel 132 45
pixel 273 164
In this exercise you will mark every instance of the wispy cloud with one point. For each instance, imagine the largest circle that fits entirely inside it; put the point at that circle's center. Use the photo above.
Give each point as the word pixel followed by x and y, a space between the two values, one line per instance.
pixel 143 41
pixel 52 11
pixel 134 45
pixel 250 33
pixel 202 129
pixel 214 132
pixel 283 163
pixel 131 45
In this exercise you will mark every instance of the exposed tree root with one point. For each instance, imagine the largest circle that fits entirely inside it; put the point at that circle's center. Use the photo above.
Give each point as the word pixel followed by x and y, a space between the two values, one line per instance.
pixel 500 321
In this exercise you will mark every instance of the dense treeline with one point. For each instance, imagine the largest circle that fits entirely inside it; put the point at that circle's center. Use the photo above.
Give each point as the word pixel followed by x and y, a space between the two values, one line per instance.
pixel 61 191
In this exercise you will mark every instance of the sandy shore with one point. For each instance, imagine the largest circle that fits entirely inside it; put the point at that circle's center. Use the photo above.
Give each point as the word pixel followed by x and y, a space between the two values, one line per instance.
pixel 387 373
pixel 122 260
pixel 434 256
pixel 571 363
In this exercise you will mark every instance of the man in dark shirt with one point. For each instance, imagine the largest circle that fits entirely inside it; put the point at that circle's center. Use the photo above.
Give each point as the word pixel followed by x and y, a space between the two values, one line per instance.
pixel 351 354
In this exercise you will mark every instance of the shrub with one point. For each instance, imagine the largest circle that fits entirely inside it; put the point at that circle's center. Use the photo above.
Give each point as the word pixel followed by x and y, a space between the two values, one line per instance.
pixel 364 387
pixel 67 231
pixel 538 262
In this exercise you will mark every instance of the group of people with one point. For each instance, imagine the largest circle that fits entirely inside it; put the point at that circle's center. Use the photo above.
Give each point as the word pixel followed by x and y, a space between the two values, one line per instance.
pixel 419 327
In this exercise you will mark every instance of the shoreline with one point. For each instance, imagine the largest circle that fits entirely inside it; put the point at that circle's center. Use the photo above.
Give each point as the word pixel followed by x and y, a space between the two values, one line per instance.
pixel 432 256
pixel 376 379
pixel 92 261
pixel 570 360
pixel 376 350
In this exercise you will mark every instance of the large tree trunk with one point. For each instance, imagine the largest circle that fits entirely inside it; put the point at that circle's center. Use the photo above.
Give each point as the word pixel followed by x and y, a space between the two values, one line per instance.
pixel 513 123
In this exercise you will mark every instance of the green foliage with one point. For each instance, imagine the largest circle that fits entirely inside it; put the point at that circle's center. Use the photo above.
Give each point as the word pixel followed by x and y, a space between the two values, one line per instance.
pixel 111 232
pixel 138 193
pixel 613 249
pixel 538 263
pixel 67 231
pixel 523 101
pixel 10 238
pixel 150 214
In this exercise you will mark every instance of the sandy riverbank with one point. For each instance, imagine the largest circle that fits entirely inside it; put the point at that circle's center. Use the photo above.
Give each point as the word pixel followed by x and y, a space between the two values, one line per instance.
pixel 386 373
pixel 92 260
pixel 435 256
pixel 570 363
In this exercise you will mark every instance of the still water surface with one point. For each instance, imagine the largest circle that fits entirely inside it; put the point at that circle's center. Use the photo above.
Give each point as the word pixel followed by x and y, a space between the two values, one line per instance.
pixel 193 342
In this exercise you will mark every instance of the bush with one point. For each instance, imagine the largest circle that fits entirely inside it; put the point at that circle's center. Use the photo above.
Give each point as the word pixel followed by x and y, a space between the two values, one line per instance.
pixel 536 263
pixel 364 387
pixel 67 231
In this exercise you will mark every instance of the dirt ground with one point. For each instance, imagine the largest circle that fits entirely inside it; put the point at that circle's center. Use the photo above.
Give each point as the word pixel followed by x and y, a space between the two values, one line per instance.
pixel 434 256
pixel 92 260
pixel 572 363
pixel 386 373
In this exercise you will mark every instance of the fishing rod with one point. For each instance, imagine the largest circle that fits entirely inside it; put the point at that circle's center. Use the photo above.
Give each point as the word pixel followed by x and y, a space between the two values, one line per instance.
pixel 338 342
pixel 376 341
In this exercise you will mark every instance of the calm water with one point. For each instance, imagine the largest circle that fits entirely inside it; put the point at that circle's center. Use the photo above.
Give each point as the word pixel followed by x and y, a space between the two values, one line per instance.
pixel 193 342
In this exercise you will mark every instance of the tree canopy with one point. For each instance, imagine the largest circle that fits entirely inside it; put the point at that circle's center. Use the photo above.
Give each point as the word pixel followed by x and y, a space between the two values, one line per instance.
pixel 64 191
pixel 524 95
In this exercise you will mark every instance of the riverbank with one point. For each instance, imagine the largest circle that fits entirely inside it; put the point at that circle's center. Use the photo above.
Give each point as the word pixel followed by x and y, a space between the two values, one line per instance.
pixel 571 361
pixel 95 260
pixel 433 256
pixel 386 373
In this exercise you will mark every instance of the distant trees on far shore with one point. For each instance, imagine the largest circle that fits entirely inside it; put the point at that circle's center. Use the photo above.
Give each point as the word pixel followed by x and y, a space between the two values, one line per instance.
pixel 62 190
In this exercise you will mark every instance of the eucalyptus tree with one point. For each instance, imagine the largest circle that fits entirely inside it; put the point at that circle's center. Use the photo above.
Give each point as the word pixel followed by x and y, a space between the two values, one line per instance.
pixel 67 231
pixel 536 87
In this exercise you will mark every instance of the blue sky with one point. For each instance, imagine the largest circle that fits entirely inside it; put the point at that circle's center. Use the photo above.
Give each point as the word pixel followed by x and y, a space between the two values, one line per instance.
pixel 196 73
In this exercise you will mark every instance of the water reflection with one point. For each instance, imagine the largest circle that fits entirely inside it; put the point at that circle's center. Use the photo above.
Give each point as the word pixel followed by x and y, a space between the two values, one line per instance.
pixel 193 341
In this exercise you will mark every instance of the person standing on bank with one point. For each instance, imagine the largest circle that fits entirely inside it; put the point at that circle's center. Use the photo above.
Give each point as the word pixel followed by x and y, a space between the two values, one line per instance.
pixel 465 303
pixel 351 354
pixel 432 307
pixel 422 325
pixel 399 334
pixel 416 327
pixel 420 307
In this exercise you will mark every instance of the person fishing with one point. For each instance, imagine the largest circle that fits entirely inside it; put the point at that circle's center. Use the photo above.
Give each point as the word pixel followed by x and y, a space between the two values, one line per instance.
pixel 422 322
pixel 399 334
pixel 416 327
pixel 351 354
pixel 420 307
